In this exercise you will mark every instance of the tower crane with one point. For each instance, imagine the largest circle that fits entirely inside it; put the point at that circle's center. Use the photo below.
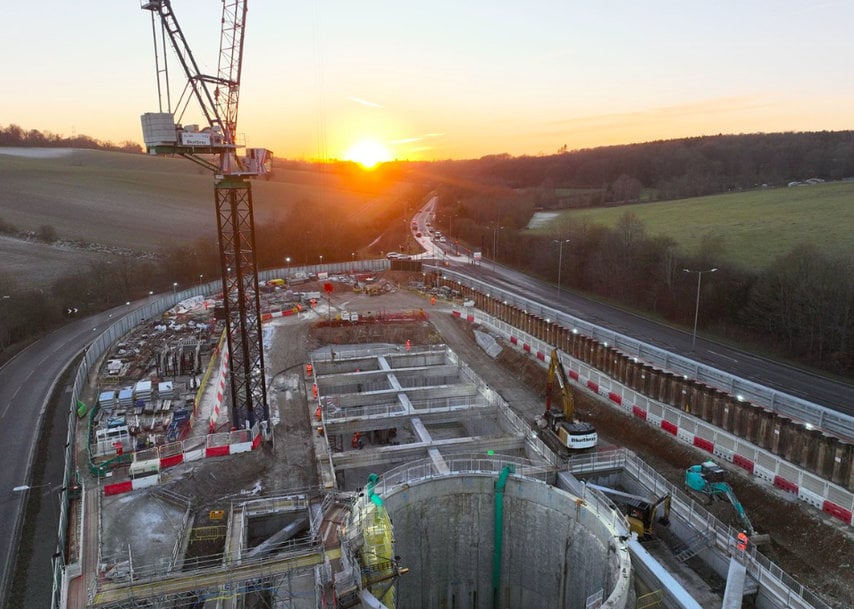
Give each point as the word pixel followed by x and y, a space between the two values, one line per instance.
pixel 214 146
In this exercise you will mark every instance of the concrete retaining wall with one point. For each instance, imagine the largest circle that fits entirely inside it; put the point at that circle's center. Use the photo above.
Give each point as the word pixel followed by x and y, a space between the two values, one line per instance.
pixel 791 456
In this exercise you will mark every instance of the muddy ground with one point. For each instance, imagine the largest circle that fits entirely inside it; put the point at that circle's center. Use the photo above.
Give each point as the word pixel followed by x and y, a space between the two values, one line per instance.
pixel 804 543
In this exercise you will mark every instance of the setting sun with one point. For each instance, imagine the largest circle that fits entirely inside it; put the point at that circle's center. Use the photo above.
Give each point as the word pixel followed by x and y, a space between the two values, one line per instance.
pixel 368 154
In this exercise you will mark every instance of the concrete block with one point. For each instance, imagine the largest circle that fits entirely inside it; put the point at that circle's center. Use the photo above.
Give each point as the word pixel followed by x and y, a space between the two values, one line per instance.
pixel 809 448
pixel 765 428
pixel 824 459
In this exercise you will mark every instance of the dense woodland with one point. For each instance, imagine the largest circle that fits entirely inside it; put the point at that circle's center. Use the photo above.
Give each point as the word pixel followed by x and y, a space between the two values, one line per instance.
pixel 672 169
pixel 800 308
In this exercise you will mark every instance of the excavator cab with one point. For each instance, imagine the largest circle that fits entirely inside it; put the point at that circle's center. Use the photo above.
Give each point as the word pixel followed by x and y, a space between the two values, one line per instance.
pixel 708 478
pixel 642 515
pixel 712 472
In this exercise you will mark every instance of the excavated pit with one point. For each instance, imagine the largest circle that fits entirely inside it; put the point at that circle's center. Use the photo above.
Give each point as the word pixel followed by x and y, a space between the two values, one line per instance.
pixel 555 551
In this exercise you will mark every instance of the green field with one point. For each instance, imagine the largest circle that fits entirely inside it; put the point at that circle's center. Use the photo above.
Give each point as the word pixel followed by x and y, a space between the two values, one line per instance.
pixel 755 227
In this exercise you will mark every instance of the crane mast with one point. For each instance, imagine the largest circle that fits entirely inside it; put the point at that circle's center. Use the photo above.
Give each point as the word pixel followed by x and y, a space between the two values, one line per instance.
pixel 217 98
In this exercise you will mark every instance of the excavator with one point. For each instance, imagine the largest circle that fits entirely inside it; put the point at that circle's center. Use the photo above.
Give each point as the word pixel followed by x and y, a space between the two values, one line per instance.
pixel 640 511
pixel 709 479
pixel 560 430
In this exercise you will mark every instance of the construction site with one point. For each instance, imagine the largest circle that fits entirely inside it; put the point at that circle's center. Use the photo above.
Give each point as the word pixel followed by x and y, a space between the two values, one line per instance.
pixel 406 464
pixel 390 436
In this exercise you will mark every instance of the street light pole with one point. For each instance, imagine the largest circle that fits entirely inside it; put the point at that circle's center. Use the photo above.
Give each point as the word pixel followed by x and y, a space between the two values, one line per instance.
pixel 560 242
pixel 697 306
pixel 288 265
pixel 495 244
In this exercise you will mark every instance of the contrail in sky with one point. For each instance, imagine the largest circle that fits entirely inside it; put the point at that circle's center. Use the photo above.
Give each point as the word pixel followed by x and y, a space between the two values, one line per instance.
pixel 364 102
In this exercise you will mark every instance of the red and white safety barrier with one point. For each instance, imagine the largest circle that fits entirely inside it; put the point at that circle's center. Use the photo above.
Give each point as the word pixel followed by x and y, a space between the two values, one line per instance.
pixel 220 388
pixel 623 398
pixel 218 445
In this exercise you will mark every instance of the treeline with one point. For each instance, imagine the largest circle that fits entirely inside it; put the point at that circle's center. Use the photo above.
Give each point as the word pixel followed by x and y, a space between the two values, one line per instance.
pixel 661 170
pixel 801 306
pixel 13 135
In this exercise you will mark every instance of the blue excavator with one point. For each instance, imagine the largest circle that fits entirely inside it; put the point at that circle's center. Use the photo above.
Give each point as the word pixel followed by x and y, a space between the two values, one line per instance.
pixel 709 479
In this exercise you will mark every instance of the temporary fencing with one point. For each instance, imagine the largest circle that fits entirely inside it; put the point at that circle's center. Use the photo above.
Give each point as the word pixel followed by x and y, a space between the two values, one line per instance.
pixel 172 454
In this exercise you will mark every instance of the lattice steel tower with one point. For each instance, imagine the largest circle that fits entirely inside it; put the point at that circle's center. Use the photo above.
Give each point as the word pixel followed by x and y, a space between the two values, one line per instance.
pixel 214 147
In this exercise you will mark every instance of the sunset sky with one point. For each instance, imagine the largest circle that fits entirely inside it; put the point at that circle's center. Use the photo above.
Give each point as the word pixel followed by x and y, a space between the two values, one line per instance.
pixel 447 78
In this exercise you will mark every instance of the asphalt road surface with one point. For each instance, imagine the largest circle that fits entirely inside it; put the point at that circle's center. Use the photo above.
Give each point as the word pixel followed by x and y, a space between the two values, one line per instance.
pixel 26 384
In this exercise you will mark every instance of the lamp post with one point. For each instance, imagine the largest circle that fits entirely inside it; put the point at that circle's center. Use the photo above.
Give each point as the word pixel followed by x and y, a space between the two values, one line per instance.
pixel 495 244
pixel 174 288
pixel 201 276
pixel 352 261
pixel 697 306
pixel 560 242
pixel 288 267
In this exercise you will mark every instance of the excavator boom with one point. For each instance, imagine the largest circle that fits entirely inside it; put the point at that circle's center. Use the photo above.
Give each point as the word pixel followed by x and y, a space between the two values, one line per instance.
pixel 739 510
pixel 572 434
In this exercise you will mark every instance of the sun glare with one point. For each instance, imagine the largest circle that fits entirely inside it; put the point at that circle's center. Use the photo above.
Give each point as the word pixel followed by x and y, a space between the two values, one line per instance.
pixel 368 154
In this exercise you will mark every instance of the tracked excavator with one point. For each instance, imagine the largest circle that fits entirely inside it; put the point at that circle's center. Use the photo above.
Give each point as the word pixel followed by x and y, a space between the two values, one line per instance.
pixel 709 479
pixel 559 429
pixel 642 513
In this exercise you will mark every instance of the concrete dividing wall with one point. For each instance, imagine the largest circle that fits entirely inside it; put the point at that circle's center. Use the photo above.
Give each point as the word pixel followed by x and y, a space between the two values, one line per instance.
pixel 557 553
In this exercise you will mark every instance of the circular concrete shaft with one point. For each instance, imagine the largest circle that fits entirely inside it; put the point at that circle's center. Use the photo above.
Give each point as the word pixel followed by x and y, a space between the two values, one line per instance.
pixel 557 551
